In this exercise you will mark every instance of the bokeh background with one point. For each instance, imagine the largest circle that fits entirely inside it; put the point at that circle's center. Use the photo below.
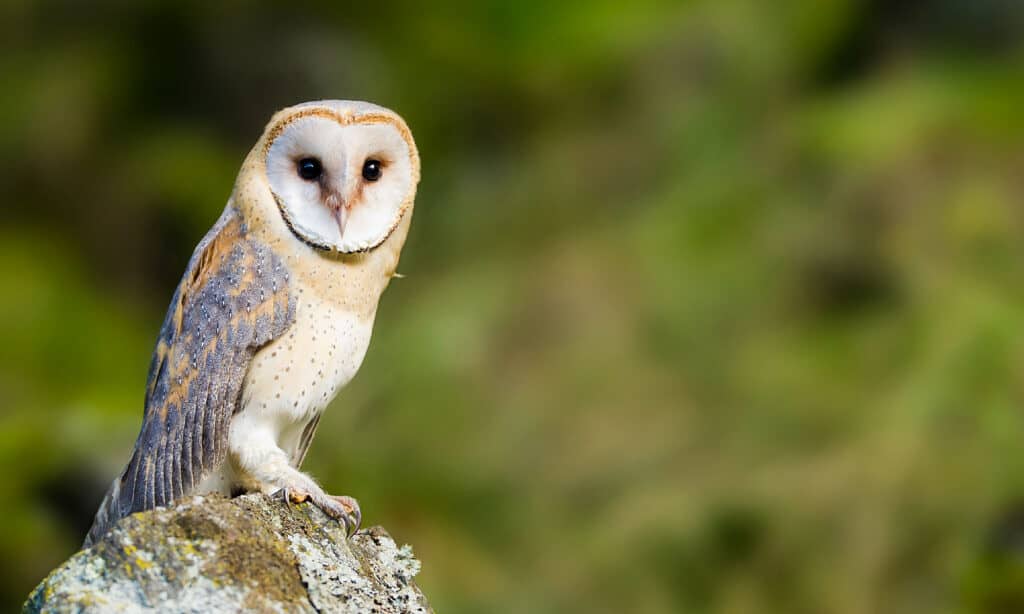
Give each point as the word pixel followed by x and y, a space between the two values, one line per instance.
pixel 710 306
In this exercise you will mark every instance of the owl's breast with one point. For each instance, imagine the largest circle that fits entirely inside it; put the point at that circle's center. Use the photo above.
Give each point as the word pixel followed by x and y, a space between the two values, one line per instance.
pixel 294 378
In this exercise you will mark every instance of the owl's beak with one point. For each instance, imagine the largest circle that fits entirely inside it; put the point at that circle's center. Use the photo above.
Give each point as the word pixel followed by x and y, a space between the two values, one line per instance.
pixel 340 216
pixel 340 212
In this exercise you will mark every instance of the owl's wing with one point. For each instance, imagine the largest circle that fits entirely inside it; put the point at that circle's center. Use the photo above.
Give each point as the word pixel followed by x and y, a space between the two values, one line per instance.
pixel 232 300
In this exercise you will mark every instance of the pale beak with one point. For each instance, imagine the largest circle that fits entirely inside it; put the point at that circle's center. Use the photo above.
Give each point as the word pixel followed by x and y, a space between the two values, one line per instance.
pixel 339 211
pixel 340 216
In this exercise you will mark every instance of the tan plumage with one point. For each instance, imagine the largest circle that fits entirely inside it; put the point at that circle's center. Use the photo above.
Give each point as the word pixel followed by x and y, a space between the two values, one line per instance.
pixel 274 312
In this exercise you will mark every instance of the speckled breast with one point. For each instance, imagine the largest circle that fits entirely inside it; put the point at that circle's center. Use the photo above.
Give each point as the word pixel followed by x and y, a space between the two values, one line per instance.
pixel 296 376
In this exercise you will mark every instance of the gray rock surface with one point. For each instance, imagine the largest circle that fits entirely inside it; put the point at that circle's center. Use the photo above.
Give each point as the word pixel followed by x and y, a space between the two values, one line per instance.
pixel 250 553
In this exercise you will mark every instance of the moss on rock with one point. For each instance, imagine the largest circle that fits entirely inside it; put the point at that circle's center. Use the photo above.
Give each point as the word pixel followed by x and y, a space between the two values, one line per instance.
pixel 207 554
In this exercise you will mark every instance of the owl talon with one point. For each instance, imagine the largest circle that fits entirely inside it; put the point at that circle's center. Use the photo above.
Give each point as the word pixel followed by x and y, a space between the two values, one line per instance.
pixel 341 508
pixel 352 512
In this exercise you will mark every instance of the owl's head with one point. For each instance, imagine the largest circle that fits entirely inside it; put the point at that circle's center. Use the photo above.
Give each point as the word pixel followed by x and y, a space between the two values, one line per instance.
pixel 343 173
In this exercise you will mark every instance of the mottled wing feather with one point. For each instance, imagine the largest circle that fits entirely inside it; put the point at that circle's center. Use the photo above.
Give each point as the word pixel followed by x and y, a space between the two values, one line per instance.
pixel 232 300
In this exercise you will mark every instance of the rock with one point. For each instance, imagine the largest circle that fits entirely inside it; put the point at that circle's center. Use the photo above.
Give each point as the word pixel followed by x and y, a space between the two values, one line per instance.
pixel 250 553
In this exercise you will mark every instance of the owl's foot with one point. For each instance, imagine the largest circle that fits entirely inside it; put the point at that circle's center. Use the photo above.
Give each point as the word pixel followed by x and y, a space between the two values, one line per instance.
pixel 342 508
pixel 345 509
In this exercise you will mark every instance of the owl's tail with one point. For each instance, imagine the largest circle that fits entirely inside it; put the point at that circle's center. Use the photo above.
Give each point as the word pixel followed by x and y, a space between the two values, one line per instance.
pixel 107 515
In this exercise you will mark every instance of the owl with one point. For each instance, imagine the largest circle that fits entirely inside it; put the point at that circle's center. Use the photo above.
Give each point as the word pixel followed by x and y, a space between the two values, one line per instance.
pixel 274 312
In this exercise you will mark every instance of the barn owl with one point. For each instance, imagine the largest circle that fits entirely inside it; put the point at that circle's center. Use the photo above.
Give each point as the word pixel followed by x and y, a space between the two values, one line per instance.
pixel 274 313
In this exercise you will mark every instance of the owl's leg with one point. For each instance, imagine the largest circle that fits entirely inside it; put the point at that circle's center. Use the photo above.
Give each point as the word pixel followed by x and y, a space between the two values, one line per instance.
pixel 264 466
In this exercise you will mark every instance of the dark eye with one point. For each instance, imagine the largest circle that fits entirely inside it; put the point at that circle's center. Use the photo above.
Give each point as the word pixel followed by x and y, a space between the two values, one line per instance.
pixel 371 170
pixel 310 168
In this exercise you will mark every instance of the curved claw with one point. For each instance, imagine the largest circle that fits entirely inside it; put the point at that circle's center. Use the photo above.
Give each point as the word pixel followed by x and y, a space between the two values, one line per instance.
pixel 353 515
pixel 343 509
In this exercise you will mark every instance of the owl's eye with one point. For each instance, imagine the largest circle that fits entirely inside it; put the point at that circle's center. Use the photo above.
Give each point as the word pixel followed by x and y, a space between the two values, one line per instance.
pixel 310 168
pixel 371 169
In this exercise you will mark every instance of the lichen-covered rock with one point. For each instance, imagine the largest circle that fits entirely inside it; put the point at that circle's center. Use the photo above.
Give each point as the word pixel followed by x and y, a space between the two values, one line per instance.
pixel 250 553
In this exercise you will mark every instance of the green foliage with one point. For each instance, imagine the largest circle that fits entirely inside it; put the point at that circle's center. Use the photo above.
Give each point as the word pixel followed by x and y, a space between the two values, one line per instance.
pixel 710 306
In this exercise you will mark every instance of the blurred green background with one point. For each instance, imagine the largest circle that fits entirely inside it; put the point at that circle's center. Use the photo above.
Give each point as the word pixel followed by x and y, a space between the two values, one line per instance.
pixel 714 306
